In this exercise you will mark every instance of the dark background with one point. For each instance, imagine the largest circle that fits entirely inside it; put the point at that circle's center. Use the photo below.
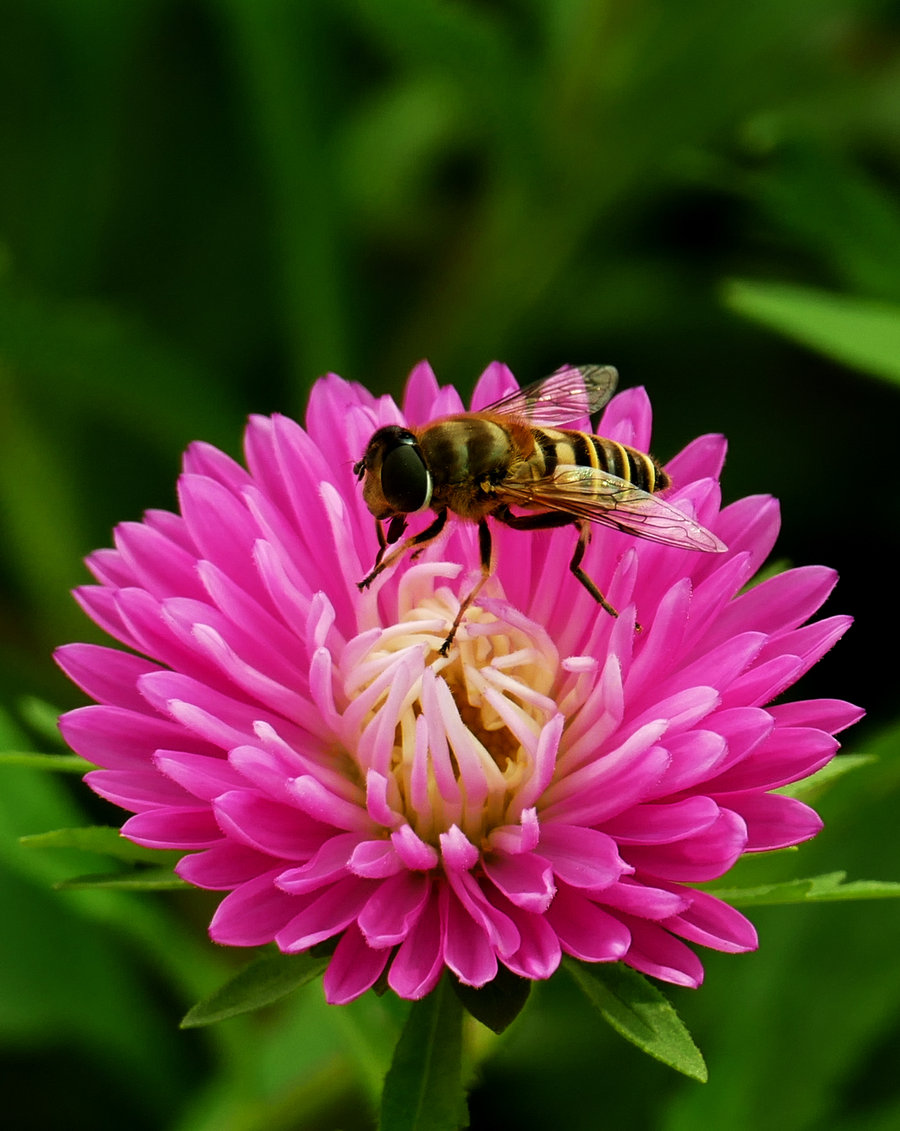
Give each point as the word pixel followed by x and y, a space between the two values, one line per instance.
pixel 204 206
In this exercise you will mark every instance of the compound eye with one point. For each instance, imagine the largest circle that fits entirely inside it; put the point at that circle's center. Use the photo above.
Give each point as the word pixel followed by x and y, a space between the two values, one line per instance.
pixel 405 480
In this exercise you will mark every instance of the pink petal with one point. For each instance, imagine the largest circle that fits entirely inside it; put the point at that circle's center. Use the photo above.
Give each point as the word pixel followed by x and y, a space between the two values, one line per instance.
pixel 750 524
pixel 412 850
pixel 204 459
pixel 655 952
pixel 325 915
pixel 221 526
pixel 354 968
pixel 269 826
pixel 627 418
pixel 253 914
pixel 393 908
pixel 119 739
pixel 789 753
pixel 222 867
pixel 420 394
pixel 657 823
pixel 155 563
pixel 201 775
pixel 712 923
pixel 499 927
pixel 659 646
pixel 778 604
pixel 135 790
pixel 323 805
pixel 101 605
pixel 611 783
pixel 704 856
pixel 329 864
pixel 833 715
pixel 178 827
pixel 109 568
pixel 582 858
pixel 540 952
pixel 585 930
pixel 332 399
pixel 525 879
pixel 774 821
pixel 693 757
pixel 700 459
pixel 637 897
pixel 375 859
pixel 418 963
pixel 809 643
pixel 467 950
pixel 495 382
pixel 105 674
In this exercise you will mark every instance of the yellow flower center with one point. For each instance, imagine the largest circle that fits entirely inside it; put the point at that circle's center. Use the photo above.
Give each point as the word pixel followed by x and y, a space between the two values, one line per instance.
pixel 454 736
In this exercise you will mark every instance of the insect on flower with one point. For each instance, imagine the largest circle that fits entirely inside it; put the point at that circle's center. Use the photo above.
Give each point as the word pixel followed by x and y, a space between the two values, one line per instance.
pixel 517 452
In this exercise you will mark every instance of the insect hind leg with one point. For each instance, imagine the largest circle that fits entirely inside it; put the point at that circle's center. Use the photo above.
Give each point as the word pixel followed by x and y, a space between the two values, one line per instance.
pixel 560 518
pixel 584 537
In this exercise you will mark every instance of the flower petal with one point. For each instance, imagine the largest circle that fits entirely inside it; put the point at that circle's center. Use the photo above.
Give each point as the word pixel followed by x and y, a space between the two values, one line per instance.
pixel 354 968
pixel 526 879
pixel 585 930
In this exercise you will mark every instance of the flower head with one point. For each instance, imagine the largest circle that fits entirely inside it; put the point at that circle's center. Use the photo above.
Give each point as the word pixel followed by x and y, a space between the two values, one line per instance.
pixel 555 784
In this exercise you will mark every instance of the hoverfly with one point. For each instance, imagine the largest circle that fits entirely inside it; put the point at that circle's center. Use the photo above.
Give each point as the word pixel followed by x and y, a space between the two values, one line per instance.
pixel 515 453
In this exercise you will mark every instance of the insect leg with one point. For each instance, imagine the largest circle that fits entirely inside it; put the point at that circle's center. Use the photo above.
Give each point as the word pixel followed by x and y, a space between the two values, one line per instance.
pixel 544 521
pixel 486 553
pixel 383 562
pixel 560 518
pixel 584 536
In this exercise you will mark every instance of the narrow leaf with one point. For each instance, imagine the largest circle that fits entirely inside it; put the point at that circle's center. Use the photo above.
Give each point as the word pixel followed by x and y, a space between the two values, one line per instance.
pixel 103 839
pixel 142 879
pixel 423 1088
pixel 54 763
pixel 640 1013
pixel 858 332
pixel 816 783
pixel 262 982
pixel 42 718
pixel 827 888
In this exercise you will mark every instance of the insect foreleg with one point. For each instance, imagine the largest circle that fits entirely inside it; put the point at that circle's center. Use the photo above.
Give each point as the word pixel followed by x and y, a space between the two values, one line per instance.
pixel 486 554
pixel 421 540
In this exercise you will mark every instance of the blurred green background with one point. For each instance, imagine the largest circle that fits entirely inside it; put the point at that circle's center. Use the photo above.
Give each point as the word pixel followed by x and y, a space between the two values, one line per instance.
pixel 204 206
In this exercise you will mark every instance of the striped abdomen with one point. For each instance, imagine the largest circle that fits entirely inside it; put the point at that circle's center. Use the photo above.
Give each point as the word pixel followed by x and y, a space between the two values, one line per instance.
pixel 556 447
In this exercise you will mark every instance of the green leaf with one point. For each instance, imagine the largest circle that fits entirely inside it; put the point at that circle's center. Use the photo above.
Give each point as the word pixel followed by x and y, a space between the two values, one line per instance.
pixel 141 879
pixel 821 780
pixel 861 333
pixel 75 352
pixel 640 1013
pixel 497 1004
pixel 54 763
pixel 103 839
pixel 827 888
pixel 829 207
pixel 262 982
pixel 42 718
pixel 423 1088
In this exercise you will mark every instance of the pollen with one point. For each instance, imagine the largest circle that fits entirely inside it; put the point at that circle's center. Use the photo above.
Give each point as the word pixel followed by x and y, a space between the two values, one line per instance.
pixel 464 729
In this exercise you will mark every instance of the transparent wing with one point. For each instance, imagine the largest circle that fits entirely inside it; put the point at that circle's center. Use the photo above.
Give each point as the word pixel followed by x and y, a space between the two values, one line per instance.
pixel 598 496
pixel 567 395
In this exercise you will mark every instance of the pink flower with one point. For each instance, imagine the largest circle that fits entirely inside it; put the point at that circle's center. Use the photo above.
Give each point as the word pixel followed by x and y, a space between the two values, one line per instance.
pixel 555 785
